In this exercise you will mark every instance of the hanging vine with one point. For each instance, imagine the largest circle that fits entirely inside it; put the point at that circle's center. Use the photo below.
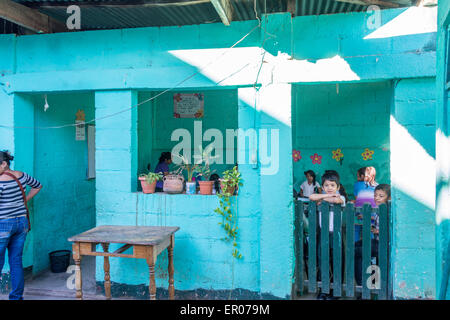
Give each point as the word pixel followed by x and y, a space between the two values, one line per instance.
pixel 229 184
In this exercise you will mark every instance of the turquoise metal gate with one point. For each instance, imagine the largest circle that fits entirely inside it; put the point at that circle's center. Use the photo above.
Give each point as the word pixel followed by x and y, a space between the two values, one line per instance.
pixel 336 267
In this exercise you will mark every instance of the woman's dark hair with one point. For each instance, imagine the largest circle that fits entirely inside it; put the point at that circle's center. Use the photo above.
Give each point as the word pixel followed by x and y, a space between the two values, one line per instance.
pixel 385 187
pixel 342 192
pixel 165 156
pixel 6 156
pixel 312 174
pixel 215 177
pixel 362 171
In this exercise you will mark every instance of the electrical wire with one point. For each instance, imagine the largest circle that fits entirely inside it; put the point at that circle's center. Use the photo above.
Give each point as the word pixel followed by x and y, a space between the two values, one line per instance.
pixel 141 103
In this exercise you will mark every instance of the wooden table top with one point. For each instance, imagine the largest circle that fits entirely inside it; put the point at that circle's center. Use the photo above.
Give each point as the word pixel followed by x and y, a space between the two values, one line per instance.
pixel 141 235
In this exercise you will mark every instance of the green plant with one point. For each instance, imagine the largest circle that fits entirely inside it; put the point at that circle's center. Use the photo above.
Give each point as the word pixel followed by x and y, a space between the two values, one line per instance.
pixel 203 162
pixel 205 171
pixel 231 179
pixel 151 177
pixel 187 166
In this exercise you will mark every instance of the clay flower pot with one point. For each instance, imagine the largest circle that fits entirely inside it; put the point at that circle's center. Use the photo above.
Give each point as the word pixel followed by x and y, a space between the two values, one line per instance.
pixel 206 187
pixel 147 188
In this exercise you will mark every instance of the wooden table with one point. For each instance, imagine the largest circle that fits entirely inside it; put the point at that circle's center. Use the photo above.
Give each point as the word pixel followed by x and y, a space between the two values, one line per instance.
pixel 147 243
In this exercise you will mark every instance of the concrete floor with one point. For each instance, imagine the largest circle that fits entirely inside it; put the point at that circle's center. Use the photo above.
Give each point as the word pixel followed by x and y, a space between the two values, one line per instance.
pixel 61 286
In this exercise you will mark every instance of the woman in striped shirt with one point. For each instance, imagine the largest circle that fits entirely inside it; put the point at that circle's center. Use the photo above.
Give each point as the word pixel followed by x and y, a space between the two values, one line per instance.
pixel 13 220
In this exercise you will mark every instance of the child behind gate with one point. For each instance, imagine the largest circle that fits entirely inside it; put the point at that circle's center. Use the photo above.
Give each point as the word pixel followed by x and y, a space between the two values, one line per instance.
pixel 331 185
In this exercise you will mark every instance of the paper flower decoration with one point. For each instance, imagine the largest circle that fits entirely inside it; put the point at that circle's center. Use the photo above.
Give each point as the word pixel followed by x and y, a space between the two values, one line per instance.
pixel 199 114
pixel 296 155
pixel 316 159
pixel 337 154
pixel 177 97
pixel 367 154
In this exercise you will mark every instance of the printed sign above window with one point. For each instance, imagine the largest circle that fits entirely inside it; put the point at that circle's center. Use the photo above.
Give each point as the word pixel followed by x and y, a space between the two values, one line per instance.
pixel 188 105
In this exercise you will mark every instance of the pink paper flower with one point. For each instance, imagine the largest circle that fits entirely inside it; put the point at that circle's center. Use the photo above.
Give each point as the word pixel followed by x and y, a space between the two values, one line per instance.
pixel 296 155
pixel 316 159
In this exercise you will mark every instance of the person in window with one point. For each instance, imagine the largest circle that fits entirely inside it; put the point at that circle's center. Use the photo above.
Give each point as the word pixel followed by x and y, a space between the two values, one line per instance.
pixel 14 223
pixel 364 193
pixel 163 167
pixel 382 195
pixel 310 185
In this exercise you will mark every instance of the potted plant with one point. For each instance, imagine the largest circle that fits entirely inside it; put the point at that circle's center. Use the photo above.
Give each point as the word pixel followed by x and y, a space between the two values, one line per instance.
pixel 190 170
pixel 148 181
pixel 231 181
pixel 205 185
pixel 205 171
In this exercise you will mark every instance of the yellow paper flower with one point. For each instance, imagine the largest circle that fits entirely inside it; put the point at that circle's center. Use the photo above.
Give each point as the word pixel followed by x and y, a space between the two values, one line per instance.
pixel 337 154
pixel 367 154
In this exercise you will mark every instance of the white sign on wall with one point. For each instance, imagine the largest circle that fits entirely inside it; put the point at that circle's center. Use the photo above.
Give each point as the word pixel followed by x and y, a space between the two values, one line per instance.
pixel 80 128
pixel 188 105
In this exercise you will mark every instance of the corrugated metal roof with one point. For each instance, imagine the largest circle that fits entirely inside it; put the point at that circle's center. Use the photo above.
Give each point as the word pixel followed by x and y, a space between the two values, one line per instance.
pixel 115 14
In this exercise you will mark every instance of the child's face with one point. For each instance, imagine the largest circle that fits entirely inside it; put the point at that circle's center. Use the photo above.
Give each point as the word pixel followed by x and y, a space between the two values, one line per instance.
pixel 330 187
pixel 380 197
pixel 309 178
pixel 359 177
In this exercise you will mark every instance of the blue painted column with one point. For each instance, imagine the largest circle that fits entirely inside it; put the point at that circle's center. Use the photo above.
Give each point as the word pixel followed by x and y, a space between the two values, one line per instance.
pixel 249 195
pixel 116 159
pixel 24 116
pixel 442 155
pixel 116 141
pixel 17 111
pixel 7 119
pixel 270 116
pixel 276 180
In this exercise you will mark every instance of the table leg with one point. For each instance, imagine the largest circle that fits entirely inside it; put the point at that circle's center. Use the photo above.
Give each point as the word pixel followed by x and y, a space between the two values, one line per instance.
pixel 78 280
pixel 106 270
pixel 171 269
pixel 152 286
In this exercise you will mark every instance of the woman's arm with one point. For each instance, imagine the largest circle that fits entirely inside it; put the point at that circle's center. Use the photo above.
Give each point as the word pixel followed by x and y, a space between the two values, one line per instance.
pixel 32 193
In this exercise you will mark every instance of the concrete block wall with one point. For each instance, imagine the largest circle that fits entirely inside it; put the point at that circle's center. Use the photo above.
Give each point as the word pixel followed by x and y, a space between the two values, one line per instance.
pixel 205 260
pixel 413 189
pixel 442 153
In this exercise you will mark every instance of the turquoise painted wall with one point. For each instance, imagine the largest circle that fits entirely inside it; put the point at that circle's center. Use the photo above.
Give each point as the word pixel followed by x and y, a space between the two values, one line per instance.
pixel 66 204
pixel 19 110
pixel 202 259
pixel 348 116
pixel 413 168
pixel 119 63
pixel 73 60
pixel 156 124
pixel 442 154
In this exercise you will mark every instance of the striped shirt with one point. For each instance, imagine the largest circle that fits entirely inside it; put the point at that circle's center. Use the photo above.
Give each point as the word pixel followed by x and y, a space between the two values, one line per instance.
pixel 11 199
